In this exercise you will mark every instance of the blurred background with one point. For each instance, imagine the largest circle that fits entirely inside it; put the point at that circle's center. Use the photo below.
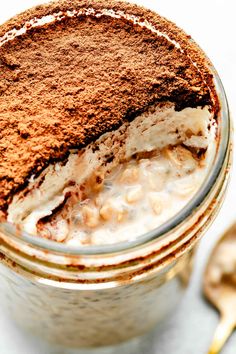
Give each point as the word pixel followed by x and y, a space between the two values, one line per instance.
pixel 212 24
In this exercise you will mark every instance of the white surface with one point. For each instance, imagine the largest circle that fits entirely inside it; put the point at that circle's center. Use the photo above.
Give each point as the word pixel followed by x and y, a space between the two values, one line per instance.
pixel 212 24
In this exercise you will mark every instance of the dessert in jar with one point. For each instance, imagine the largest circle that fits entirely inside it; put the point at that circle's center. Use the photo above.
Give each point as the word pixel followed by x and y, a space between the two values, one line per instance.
pixel 115 151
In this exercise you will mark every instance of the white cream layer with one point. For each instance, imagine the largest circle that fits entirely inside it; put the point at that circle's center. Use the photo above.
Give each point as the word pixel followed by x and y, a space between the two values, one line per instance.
pixel 150 131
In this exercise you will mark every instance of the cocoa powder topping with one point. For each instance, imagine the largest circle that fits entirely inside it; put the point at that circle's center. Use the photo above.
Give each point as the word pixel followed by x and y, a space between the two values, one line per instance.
pixel 64 84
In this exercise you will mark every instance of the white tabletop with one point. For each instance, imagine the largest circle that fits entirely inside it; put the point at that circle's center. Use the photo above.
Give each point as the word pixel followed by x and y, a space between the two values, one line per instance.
pixel 212 24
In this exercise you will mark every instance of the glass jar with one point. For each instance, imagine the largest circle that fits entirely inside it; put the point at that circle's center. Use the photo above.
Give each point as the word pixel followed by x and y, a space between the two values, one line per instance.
pixel 95 296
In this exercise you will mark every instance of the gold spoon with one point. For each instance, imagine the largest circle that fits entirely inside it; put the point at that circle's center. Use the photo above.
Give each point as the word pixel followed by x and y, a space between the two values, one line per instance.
pixel 220 287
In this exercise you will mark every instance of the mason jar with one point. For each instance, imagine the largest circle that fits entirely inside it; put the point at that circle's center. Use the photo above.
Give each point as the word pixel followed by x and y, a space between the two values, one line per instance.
pixel 101 295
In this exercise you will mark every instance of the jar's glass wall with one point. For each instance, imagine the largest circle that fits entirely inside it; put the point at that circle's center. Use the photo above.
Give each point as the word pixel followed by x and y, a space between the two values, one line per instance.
pixel 93 317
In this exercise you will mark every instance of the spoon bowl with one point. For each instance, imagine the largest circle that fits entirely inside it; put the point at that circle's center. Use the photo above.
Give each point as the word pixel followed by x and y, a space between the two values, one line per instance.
pixel 219 286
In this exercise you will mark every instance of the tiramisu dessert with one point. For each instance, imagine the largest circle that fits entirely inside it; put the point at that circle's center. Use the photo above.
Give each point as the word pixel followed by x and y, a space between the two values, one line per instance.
pixel 107 121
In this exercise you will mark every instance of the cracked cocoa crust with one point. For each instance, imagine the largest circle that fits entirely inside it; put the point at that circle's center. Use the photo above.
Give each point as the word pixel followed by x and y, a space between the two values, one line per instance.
pixel 64 84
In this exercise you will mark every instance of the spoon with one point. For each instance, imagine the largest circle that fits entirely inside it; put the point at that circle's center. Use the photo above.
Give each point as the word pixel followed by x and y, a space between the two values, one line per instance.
pixel 219 287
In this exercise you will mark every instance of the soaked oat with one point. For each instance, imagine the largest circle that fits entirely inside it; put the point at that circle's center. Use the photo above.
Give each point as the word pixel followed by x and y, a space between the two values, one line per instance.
pixel 131 199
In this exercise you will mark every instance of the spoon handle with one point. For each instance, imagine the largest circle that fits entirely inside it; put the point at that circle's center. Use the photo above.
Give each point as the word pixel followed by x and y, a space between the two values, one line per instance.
pixel 222 333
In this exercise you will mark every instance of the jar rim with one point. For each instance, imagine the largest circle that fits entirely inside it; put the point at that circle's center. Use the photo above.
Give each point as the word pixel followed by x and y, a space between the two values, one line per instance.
pixel 171 224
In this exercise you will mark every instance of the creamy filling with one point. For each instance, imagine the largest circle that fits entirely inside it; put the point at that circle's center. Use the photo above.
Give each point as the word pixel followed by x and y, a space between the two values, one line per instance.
pixel 84 200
